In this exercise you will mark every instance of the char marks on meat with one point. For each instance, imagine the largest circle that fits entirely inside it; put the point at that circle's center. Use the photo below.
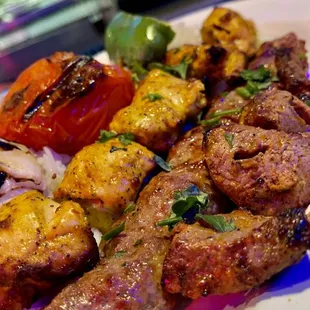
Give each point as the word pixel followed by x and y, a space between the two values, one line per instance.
pixel 202 261
pixel 264 171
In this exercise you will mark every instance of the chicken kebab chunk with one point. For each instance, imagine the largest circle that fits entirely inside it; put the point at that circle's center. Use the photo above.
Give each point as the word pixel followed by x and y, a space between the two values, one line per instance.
pixel 208 61
pixel 106 177
pixel 203 260
pixel 160 107
pixel 42 243
pixel 129 274
pixel 230 30
pixel 264 171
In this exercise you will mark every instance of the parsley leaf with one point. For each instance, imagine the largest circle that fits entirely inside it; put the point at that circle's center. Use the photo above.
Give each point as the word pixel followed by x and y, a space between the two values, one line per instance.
pixel 138 242
pixel 307 103
pixel 188 200
pixel 153 97
pixel 126 138
pixel 257 80
pixel 114 232
pixel 229 138
pixel 179 70
pixel 131 207
pixel 217 222
pixel 115 148
pixel 162 164
pixel 106 136
pixel 120 254
pixel 216 117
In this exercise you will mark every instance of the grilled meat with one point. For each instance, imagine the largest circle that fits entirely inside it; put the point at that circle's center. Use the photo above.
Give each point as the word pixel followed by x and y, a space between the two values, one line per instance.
pixel 230 30
pixel 202 261
pixel 225 103
pixel 265 171
pixel 161 105
pixel 188 149
pixel 213 62
pixel 129 275
pixel 287 58
pixel 42 243
pixel 277 109
pixel 105 178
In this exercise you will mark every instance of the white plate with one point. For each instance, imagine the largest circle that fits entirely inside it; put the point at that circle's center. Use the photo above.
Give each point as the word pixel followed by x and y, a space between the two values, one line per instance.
pixel 273 18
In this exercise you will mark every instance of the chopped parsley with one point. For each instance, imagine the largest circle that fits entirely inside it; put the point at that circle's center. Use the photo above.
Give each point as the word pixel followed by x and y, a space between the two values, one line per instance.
pixel 229 138
pixel 217 222
pixel 162 164
pixel 216 117
pixel 153 97
pixel 307 103
pixel 115 148
pixel 131 207
pixel 114 232
pixel 138 242
pixel 126 138
pixel 257 80
pixel 178 70
pixel 120 254
pixel 106 136
pixel 187 203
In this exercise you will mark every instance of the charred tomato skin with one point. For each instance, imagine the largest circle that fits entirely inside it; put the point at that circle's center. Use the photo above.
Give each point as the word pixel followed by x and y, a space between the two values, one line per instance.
pixel 63 102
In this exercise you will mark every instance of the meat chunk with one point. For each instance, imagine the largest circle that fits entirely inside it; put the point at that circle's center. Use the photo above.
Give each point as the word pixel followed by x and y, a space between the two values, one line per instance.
pixel 129 275
pixel 105 178
pixel 227 102
pixel 42 243
pixel 277 109
pixel 265 171
pixel 188 149
pixel 213 62
pixel 287 58
pixel 230 30
pixel 161 105
pixel 202 261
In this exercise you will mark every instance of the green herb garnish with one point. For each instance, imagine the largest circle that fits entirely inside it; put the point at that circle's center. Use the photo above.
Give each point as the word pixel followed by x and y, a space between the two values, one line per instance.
pixel 190 198
pixel 153 97
pixel 131 207
pixel 229 138
pixel 218 222
pixel 178 70
pixel 138 242
pixel 120 254
pixel 257 80
pixel 216 117
pixel 114 232
pixel 126 138
pixel 307 103
pixel 115 148
pixel 106 135
pixel 162 164
pixel 170 221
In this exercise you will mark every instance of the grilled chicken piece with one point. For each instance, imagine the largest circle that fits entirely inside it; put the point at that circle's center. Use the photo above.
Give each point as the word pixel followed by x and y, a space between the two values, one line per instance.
pixel 213 62
pixel 161 105
pixel 19 171
pixel 277 109
pixel 225 103
pixel 265 171
pixel 129 276
pixel 230 30
pixel 42 243
pixel 287 58
pixel 202 261
pixel 105 178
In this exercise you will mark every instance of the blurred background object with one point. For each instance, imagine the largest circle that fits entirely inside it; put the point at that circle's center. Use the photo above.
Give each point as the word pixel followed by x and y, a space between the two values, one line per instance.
pixel 32 29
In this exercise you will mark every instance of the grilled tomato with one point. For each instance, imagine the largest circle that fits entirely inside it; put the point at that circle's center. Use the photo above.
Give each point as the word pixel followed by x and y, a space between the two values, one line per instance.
pixel 63 101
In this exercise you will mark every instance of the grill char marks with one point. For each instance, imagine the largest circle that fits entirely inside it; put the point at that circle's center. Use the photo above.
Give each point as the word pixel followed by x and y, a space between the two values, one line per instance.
pixel 78 76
